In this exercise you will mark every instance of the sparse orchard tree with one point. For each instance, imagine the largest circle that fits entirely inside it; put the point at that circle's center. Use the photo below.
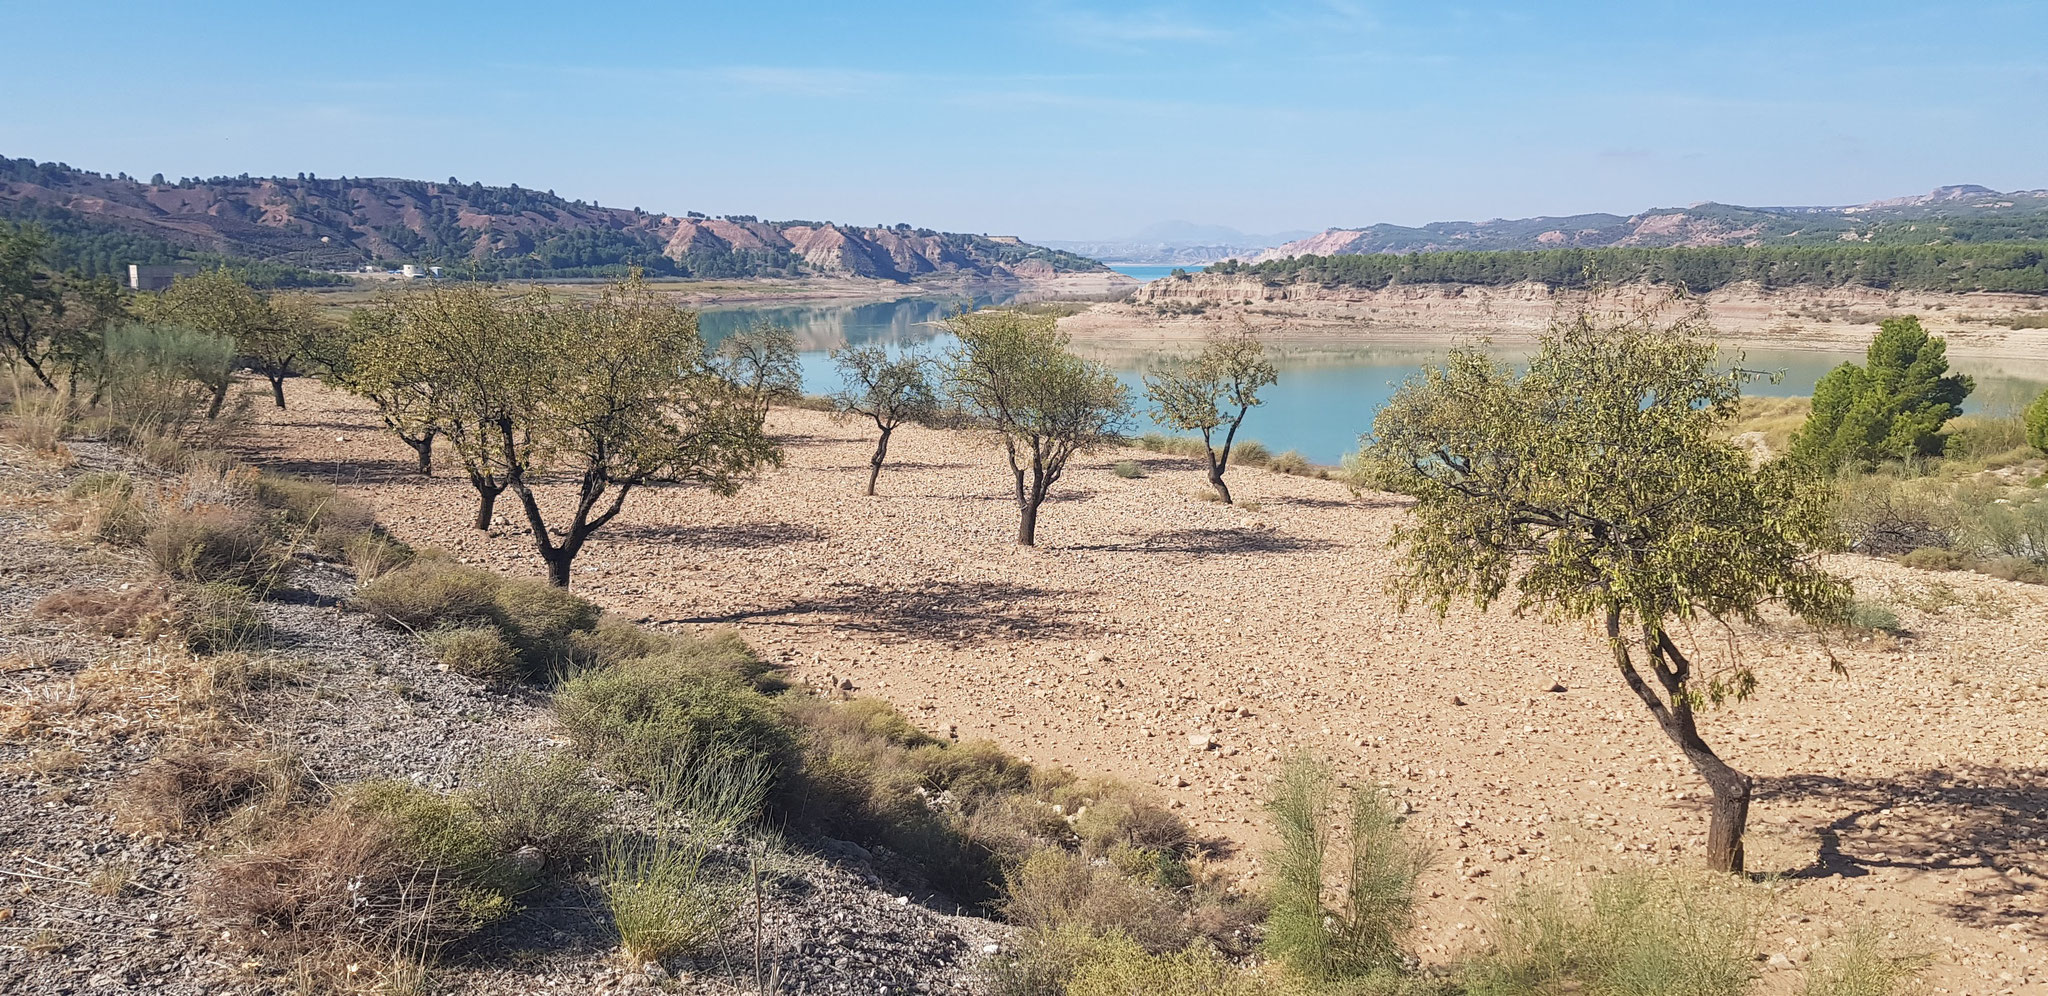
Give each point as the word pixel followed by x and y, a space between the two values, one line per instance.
pixel 216 303
pixel 51 323
pixel 1012 374
pixel 890 391
pixel 1596 485
pixel 762 361
pixel 459 361
pixel 624 398
pixel 278 347
pixel 375 359
pixel 1213 392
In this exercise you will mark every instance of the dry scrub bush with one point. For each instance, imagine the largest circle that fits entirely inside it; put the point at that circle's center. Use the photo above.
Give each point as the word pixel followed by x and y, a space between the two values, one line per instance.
pixel 1055 888
pixel 1251 453
pixel 141 610
pixel 480 652
pixel 38 419
pixel 639 718
pixel 548 804
pixel 430 591
pixel 385 868
pixel 1120 967
pixel 1128 469
pixel 540 620
pixel 1292 462
pixel 192 787
pixel 1861 966
pixel 1634 933
pixel 219 617
pixel 207 543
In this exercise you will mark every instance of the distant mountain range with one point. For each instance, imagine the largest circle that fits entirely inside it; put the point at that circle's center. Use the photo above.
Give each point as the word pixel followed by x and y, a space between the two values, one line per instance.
pixel 1964 213
pixel 104 222
pixel 1179 243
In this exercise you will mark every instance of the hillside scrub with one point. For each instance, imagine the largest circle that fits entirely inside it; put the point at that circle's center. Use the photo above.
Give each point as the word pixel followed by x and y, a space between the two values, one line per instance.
pixel 2036 419
pixel 2008 267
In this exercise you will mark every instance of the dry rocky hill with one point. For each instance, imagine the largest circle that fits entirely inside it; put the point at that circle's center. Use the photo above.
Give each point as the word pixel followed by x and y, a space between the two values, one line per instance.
pixel 1964 212
pixel 346 222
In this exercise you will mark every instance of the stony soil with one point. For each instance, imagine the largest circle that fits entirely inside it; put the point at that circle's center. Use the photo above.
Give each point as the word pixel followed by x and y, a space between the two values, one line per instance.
pixel 92 904
pixel 1909 790
pixel 1836 319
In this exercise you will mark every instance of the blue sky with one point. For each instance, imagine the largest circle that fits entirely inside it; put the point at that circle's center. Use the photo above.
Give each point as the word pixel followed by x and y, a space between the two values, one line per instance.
pixel 1056 119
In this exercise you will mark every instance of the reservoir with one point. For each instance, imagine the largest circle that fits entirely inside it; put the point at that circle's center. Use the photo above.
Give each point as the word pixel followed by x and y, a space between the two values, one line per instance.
pixel 1328 390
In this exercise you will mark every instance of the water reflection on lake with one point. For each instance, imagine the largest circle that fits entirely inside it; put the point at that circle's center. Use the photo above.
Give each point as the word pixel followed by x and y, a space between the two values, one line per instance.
pixel 1328 391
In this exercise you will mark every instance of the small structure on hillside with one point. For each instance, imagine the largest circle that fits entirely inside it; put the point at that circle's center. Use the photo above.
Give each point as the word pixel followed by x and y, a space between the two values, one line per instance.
pixel 157 276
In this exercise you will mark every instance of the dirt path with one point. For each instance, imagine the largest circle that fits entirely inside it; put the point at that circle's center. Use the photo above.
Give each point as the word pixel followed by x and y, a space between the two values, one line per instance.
pixel 1912 792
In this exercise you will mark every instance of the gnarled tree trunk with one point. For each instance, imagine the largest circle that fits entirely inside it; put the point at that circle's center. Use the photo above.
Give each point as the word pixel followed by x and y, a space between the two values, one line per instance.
pixel 875 463
pixel 1729 815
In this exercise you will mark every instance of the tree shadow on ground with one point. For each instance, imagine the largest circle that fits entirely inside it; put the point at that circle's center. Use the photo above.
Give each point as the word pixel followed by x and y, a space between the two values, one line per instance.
pixel 1974 821
pixel 280 458
pixel 740 536
pixel 973 612
pixel 1213 541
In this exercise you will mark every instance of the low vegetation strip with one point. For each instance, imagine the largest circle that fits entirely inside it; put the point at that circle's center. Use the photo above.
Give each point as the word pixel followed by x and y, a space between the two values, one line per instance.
pixel 2019 267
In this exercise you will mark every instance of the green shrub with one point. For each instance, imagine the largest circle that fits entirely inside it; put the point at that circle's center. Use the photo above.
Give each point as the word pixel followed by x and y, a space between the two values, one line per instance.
pixel 431 591
pixel 539 619
pixel 1056 888
pixel 1980 438
pixel 1361 934
pixel 1934 558
pixel 2015 569
pixel 1634 934
pixel 2005 523
pixel 1123 818
pixel 480 652
pixel 1128 469
pixel 445 833
pixel 663 900
pixel 616 640
pixel 218 617
pixel 2035 421
pixel 371 553
pixel 213 543
pixel 973 769
pixel 545 803
pixel 1892 407
pixel 722 653
pixel 1871 617
pixel 1120 967
pixel 640 718
pixel 1251 453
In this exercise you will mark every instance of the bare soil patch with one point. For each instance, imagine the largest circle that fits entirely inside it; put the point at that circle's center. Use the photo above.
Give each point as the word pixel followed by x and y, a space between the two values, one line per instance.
pixel 1911 790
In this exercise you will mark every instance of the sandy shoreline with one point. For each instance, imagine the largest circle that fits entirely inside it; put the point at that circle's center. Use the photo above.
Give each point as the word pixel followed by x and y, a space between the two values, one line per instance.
pixel 1149 615
pixel 1835 319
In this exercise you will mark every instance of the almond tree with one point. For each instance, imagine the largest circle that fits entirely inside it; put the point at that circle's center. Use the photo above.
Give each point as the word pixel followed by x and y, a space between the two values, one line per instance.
pixel 890 392
pixel 622 397
pixel 216 303
pixel 1012 374
pixel 1598 485
pixel 378 361
pixel 1213 391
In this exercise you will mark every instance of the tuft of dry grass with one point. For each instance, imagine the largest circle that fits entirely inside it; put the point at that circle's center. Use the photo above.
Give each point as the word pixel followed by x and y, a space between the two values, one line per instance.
pixel 131 610
pixel 192 787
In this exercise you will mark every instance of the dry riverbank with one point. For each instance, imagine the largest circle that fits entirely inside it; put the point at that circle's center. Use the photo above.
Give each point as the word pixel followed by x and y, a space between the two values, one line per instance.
pixel 1911 791
pixel 1799 318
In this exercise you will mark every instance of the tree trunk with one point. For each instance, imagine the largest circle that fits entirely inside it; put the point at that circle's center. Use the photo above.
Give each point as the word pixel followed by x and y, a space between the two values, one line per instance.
pixel 1216 481
pixel 558 566
pixel 220 397
pixel 875 464
pixel 486 501
pixel 1729 816
pixel 424 450
pixel 1027 522
pixel 277 391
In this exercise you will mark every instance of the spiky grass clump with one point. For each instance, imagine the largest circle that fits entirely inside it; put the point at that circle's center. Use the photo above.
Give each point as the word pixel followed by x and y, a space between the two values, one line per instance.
pixel 1632 933
pixel 1360 934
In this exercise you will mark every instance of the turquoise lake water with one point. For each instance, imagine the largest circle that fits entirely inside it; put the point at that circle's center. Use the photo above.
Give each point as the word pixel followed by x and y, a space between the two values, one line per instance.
pixel 1328 392
pixel 1149 272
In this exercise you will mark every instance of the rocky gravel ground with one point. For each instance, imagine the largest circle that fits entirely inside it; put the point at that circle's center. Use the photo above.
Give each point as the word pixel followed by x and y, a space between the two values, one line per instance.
pixel 89 906
pixel 1191 645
